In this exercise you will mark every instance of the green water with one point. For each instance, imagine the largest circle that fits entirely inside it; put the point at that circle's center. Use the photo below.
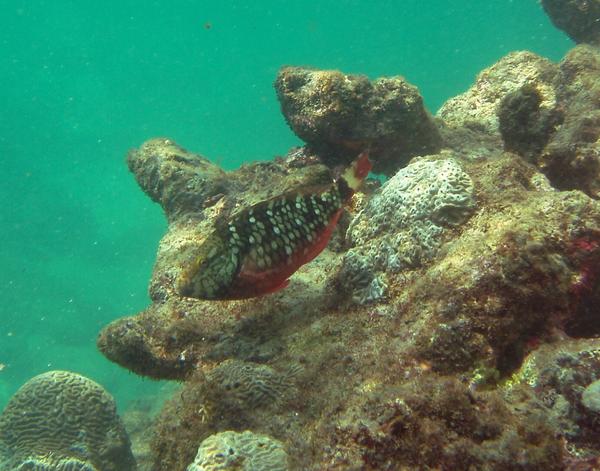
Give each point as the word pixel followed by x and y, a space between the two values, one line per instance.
pixel 83 81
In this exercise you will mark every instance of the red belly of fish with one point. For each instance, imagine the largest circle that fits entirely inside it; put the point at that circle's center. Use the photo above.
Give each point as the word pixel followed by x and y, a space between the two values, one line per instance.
pixel 252 282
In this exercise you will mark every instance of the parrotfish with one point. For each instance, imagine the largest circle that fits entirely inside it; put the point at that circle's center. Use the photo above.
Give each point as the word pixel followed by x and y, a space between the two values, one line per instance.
pixel 256 251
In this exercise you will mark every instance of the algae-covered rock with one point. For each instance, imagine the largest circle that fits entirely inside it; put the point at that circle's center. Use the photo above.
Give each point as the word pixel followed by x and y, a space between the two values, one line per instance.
pixel 181 182
pixel 436 422
pixel 571 158
pixel 246 451
pixel 525 126
pixel 63 421
pixel 508 276
pixel 476 108
pixel 336 114
pixel 580 19
pixel 545 112
pixel 564 376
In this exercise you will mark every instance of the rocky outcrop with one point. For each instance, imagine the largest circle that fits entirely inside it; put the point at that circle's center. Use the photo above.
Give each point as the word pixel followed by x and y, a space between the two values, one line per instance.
pixel 337 114
pixel 580 19
pixel 439 327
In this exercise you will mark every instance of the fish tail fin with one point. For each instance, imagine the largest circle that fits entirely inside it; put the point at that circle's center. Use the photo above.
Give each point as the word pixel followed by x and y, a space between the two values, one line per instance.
pixel 354 175
pixel 358 171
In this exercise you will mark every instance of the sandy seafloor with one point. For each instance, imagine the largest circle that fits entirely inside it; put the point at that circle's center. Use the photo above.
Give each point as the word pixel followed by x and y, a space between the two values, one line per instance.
pixel 82 82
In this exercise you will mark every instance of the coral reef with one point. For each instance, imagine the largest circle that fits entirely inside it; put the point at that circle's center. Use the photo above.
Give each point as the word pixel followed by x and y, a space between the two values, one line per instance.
pixel 571 159
pixel 241 385
pixel 451 322
pixel 563 384
pixel 335 113
pixel 580 19
pixel 181 182
pixel 63 421
pixel 507 270
pixel 525 126
pixel 138 343
pixel 244 451
pixel 545 112
pixel 476 108
pixel 63 464
pixel 403 224
pixel 437 423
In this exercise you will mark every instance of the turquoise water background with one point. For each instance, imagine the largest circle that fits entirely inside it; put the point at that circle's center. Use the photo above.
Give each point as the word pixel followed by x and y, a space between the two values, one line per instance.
pixel 81 82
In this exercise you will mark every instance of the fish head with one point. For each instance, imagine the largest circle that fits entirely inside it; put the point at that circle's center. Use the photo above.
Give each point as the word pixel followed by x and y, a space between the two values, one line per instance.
pixel 209 271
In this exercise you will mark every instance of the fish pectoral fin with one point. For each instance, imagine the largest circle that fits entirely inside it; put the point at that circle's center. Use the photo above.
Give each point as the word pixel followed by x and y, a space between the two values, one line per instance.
pixel 251 283
pixel 280 286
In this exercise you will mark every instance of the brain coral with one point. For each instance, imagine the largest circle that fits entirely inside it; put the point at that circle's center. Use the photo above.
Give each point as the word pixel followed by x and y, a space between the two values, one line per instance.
pixel 63 421
pixel 403 224
pixel 244 451
pixel 242 384
pixel 50 464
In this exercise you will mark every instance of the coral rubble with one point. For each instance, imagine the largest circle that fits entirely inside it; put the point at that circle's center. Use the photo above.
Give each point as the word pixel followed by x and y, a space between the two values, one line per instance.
pixel 451 322
pixel 63 421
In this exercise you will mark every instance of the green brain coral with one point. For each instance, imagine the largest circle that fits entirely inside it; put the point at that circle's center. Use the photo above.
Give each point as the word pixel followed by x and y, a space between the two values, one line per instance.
pixel 245 451
pixel 242 384
pixel 63 421
pixel 50 464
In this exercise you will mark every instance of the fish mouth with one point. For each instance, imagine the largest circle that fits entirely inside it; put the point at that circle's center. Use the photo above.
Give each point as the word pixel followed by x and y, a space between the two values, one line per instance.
pixel 184 285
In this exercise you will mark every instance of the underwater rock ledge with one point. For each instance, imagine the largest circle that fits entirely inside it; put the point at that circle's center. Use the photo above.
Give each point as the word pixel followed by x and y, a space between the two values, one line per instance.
pixel 451 321
pixel 336 114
